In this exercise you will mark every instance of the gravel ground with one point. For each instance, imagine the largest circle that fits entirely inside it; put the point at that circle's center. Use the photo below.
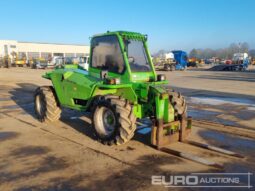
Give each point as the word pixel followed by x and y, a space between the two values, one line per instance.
pixel 65 156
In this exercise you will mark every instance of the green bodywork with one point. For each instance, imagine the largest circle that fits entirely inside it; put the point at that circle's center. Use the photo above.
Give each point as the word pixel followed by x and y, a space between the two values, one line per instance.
pixel 77 88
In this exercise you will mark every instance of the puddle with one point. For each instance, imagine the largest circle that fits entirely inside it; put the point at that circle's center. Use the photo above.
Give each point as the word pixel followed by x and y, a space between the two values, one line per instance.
pixel 74 118
pixel 209 116
pixel 225 139
pixel 251 108
pixel 197 113
pixel 214 100
pixel 144 131
pixel 145 126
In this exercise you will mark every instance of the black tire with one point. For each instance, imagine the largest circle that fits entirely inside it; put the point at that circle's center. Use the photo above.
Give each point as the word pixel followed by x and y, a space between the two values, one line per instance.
pixel 179 104
pixel 241 68
pixel 46 105
pixel 172 68
pixel 167 67
pixel 124 126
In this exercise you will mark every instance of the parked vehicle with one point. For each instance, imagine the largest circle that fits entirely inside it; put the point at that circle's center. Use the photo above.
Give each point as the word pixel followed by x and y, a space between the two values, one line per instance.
pixel 119 88
pixel 181 59
pixel 55 61
pixel 228 62
pixel 192 62
pixel 84 62
pixel 20 62
pixel 209 61
pixel 42 63
pixel 175 60
pixel 166 62
pixel 239 62
pixel 39 64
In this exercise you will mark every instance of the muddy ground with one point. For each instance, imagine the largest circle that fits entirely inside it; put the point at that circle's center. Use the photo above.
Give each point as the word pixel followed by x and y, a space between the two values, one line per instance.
pixel 65 156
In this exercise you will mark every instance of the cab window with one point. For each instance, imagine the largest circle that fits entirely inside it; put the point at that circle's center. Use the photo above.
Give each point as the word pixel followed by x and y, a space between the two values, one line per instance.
pixel 106 54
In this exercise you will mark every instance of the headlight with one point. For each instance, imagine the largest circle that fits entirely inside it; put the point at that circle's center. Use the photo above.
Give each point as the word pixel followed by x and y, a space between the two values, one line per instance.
pixel 161 77
pixel 112 81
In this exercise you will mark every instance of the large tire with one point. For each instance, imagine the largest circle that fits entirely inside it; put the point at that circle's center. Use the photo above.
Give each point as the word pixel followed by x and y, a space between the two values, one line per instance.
pixel 46 105
pixel 122 124
pixel 179 104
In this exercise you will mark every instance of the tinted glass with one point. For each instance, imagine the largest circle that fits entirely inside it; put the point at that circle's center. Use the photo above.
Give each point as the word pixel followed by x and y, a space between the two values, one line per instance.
pixel 106 54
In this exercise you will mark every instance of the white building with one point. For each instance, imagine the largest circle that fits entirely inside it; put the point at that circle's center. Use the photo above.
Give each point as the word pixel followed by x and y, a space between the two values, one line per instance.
pixel 32 50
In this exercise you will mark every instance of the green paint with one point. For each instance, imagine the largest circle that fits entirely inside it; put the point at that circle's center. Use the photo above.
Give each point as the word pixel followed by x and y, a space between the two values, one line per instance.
pixel 148 96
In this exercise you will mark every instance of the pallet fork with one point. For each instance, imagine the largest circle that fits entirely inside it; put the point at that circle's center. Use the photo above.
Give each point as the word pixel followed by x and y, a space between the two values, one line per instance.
pixel 160 139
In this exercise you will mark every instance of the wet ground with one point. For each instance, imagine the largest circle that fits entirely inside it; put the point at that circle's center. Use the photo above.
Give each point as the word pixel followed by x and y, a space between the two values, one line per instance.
pixel 65 155
pixel 232 111
pixel 223 97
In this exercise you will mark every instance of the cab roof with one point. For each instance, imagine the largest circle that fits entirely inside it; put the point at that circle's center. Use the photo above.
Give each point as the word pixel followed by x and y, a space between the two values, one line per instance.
pixel 124 34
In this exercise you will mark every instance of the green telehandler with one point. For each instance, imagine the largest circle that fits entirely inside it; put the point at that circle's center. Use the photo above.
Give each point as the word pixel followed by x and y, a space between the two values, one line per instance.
pixel 120 87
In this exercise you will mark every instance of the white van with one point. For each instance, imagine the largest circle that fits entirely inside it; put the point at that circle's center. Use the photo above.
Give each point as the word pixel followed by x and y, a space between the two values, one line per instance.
pixel 84 62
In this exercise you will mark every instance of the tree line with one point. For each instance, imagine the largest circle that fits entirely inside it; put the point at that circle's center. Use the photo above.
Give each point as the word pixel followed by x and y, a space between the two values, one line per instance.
pixel 223 53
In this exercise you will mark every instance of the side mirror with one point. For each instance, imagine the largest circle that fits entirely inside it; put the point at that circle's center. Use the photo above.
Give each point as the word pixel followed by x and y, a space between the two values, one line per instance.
pixel 131 59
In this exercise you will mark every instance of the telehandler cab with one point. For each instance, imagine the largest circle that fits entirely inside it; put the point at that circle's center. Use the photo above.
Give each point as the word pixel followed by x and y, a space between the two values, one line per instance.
pixel 120 87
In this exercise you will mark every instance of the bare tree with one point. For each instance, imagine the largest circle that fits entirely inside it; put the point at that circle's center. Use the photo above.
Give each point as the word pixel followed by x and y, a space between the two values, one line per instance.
pixel 223 53
pixel 244 47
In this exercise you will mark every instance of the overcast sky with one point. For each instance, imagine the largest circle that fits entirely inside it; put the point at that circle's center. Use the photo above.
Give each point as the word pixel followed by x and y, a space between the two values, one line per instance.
pixel 179 24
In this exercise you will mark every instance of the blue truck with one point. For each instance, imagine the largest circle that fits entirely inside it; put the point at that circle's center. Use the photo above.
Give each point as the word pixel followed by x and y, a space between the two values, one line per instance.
pixel 181 59
pixel 175 60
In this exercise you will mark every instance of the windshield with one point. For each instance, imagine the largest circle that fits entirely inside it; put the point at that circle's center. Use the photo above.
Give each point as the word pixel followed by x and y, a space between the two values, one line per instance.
pixel 137 56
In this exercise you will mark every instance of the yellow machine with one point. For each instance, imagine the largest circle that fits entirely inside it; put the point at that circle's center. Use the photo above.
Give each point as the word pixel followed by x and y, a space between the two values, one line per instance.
pixel 192 59
pixel 202 61
pixel 21 60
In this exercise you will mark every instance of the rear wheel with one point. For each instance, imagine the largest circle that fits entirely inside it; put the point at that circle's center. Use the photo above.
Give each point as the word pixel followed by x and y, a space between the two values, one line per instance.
pixel 113 120
pixel 46 105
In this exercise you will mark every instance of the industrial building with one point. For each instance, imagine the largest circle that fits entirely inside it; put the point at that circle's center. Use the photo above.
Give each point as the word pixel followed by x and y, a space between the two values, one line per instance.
pixel 33 50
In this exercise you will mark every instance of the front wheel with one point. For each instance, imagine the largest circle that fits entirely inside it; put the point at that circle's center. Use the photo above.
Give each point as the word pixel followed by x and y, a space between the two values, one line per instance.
pixel 46 105
pixel 113 120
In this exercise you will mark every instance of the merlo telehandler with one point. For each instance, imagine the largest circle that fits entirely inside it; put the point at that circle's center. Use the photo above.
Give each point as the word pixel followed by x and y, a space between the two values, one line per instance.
pixel 120 87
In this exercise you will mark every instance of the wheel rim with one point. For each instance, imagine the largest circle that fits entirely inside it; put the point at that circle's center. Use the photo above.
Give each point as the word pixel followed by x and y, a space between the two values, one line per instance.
pixel 106 121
